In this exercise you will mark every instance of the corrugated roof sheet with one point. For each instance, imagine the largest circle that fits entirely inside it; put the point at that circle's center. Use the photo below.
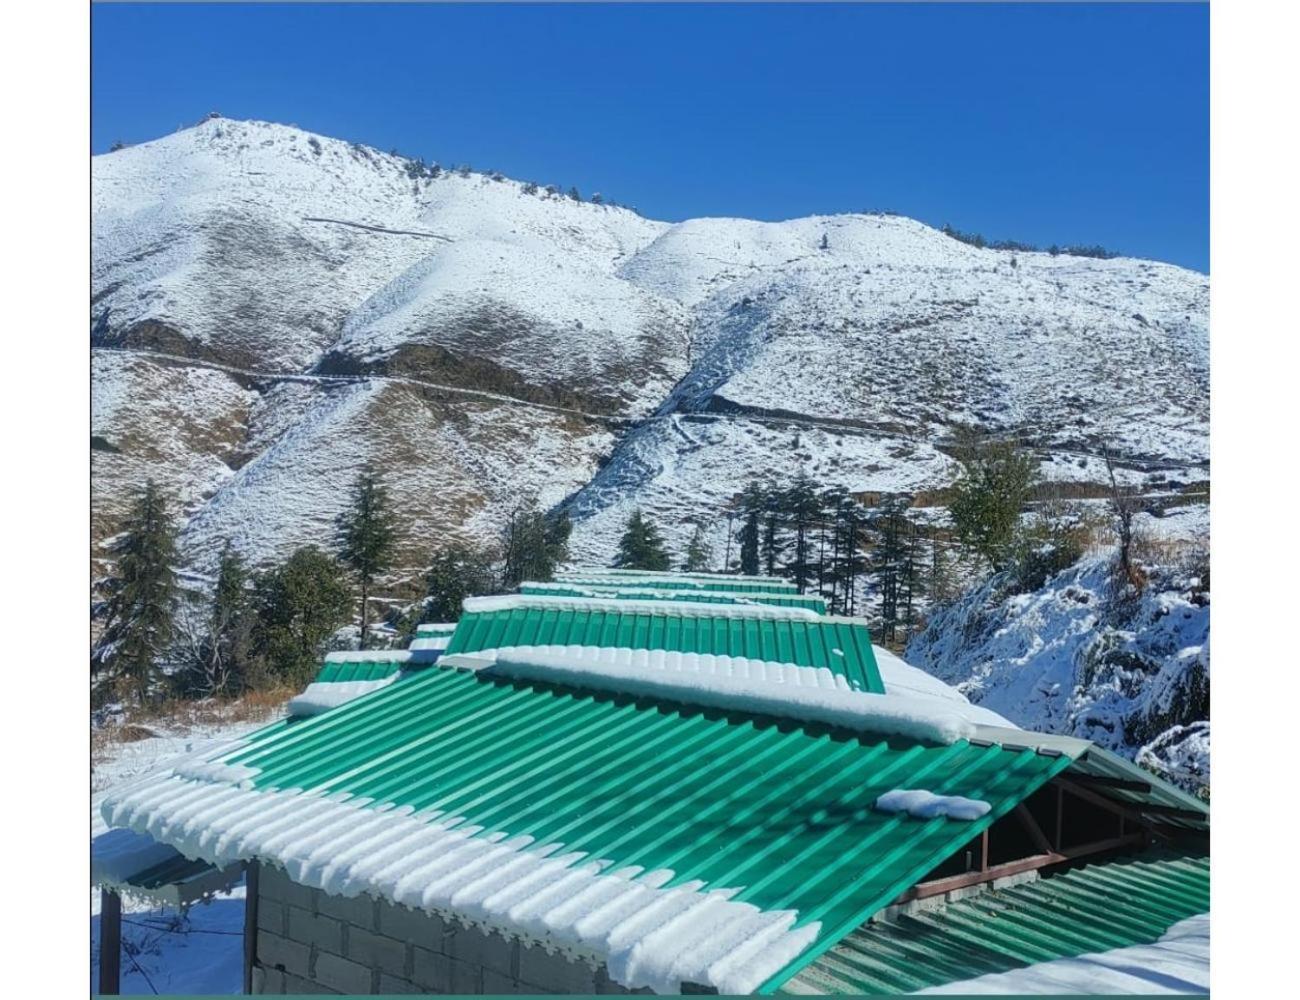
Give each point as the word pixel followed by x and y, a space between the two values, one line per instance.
pixel 781 813
pixel 842 645
pixel 781 600
pixel 1096 907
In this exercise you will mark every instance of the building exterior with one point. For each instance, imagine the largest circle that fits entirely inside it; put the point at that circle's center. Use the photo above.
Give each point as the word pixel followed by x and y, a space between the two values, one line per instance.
pixel 595 795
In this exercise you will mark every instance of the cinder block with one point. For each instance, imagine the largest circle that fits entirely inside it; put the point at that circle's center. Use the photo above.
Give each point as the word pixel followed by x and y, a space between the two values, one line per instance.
pixel 491 951
pixel 413 926
pixel 325 933
pixel 274 884
pixel 288 956
pixel 358 911
pixel 271 917
pixel 298 986
pixel 495 983
pixel 267 980
pixel 431 970
pixel 342 975
pixel 392 984
pixel 376 950
pixel 464 977
pixel 555 973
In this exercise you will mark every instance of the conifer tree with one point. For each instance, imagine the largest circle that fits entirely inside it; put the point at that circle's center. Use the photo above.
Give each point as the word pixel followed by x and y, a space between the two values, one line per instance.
pixel 455 573
pixel 997 481
pixel 227 646
pixel 751 506
pixel 699 554
pixel 299 605
pixel 367 537
pixel 534 544
pixel 772 544
pixel 641 546
pixel 802 508
pixel 139 624
pixel 887 563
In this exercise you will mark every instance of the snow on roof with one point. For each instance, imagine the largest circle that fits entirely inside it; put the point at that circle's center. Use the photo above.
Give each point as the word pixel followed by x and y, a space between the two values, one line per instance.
pixel 809 694
pixel 921 803
pixel 648 935
pixel 427 642
pixel 321 696
pixel 677 609
pixel 373 656
pixel 592 572
pixel 1178 963
pixel 628 589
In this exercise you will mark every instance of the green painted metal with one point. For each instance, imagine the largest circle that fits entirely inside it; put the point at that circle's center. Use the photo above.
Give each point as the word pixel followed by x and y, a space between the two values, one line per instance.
pixel 356 670
pixel 1097 907
pixel 782 600
pixel 781 811
pixel 682 583
pixel 807 642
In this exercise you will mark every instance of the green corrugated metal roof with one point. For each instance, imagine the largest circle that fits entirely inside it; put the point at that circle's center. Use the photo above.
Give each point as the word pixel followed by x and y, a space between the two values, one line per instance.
pixel 781 810
pixel 807 642
pixel 1097 907
pixel 357 670
pixel 638 593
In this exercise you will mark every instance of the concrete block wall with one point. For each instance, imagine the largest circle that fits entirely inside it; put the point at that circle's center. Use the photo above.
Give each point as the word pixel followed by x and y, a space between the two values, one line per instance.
pixel 311 942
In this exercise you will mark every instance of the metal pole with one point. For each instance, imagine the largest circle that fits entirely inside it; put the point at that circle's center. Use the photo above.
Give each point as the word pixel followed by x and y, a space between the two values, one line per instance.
pixel 251 873
pixel 110 942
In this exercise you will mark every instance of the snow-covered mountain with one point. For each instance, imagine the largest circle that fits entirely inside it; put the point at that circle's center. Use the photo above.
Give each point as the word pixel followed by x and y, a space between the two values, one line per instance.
pixel 273 309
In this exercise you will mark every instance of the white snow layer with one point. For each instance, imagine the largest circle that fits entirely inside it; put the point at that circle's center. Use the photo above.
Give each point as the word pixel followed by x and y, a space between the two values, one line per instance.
pixel 1178 963
pixel 321 696
pixel 508 602
pixel 370 656
pixel 811 694
pixel 647 935
pixel 923 804
pixel 601 572
pixel 427 642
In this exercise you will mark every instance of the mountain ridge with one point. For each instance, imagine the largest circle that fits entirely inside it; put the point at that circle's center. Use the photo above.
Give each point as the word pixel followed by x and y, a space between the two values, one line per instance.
pixel 599 359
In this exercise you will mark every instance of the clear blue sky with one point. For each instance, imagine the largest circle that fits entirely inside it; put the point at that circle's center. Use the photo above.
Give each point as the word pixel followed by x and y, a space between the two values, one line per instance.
pixel 1044 123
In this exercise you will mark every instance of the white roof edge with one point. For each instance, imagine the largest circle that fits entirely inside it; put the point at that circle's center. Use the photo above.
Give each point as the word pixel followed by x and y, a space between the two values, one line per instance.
pixel 1070 746
pixel 655 574
pixel 381 656
pixel 676 609
pixel 630 587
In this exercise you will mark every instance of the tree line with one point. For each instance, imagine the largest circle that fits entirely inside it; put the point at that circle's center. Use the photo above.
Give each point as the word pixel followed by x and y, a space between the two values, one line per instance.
pixel 268 626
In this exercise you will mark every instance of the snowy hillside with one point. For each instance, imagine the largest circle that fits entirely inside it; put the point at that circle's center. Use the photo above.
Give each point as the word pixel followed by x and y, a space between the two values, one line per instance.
pixel 1066 658
pixel 271 309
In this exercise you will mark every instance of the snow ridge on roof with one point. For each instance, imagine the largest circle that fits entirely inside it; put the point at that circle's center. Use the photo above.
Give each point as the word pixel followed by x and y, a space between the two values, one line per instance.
pixel 590 572
pixel 321 696
pixel 648 935
pixel 628 589
pixel 674 609
pixel 808 694
pixel 376 656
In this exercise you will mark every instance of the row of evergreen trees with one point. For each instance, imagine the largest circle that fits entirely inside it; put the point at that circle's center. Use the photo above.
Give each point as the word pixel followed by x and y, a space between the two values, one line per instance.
pixel 259 627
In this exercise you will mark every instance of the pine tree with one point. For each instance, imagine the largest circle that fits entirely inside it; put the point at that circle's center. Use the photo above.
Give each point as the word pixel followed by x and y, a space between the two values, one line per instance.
pixel 751 506
pixel 139 625
pixel 299 605
pixel 772 544
pixel 455 573
pixel 641 546
pixel 997 482
pixel 887 563
pixel 699 554
pixel 802 508
pixel 367 537
pixel 534 544
pixel 226 647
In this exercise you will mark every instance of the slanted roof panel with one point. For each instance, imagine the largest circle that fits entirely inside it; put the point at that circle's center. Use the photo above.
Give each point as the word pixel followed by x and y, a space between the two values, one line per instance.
pixel 841 645
pixel 1097 907
pixel 784 812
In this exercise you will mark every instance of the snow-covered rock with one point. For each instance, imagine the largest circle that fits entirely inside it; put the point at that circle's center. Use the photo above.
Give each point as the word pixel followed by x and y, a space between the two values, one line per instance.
pixel 1068 658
